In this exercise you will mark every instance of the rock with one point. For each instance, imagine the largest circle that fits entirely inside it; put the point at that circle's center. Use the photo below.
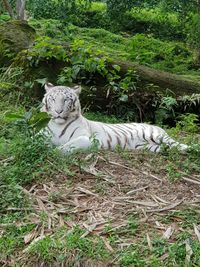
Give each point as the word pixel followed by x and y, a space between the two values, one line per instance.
pixel 14 37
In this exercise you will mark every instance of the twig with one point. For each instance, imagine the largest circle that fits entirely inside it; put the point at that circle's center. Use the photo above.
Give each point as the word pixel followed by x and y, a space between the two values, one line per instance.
pixel 167 208
pixel 86 191
pixel 143 203
pixel 191 180
pixel 136 190
pixel 117 164
pixel 153 176
pixel 149 242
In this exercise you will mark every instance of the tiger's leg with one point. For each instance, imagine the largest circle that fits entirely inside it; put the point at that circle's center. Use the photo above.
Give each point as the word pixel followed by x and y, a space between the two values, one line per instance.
pixel 79 143
pixel 167 140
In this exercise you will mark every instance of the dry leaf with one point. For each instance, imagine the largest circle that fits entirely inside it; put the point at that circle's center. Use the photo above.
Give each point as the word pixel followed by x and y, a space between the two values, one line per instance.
pixel 86 191
pixel 107 244
pixel 30 236
pixel 168 233
pixel 196 232
pixel 149 242
pixel 189 251
pixel 33 242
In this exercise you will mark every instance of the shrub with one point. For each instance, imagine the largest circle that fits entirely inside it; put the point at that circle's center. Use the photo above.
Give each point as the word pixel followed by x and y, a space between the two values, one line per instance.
pixel 172 56
pixel 161 24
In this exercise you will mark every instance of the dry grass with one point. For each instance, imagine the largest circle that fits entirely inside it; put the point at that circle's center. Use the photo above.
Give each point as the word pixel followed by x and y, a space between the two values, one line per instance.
pixel 102 196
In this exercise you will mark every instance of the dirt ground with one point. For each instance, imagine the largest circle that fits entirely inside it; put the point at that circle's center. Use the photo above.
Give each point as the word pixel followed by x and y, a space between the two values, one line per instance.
pixel 106 191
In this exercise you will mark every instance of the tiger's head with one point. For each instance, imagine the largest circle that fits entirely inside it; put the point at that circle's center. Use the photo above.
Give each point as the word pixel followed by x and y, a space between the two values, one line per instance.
pixel 61 102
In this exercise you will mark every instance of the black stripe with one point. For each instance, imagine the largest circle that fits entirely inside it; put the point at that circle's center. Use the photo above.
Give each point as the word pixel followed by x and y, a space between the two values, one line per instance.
pixel 140 145
pixel 64 130
pixel 46 105
pixel 49 129
pixel 73 103
pixel 113 127
pixel 151 136
pixel 124 133
pixel 104 130
pixel 149 148
pixel 118 140
pixel 110 137
pixel 120 128
pixel 129 131
pixel 126 141
pixel 156 148
pixel 143 135
pixel 73 133
pixel 171 143
pixel 114 130
pixel 109 145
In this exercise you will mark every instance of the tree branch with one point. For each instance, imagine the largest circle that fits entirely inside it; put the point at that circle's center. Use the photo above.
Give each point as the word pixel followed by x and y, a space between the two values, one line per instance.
pixel 8 8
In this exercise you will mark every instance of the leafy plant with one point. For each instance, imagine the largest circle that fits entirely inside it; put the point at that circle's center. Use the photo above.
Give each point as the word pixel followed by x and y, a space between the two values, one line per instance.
pixel 166 109
pixel 30 121
pixel 188 123
pixel 46 48
pixel 163 55
pixel 56 9
pixel 190 100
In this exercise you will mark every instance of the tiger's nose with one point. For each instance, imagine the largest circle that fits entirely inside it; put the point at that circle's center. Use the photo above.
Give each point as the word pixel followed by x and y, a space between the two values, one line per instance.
pixel 59 111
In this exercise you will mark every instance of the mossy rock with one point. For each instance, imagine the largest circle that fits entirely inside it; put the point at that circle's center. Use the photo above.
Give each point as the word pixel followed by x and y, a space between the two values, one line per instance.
pixel 14 37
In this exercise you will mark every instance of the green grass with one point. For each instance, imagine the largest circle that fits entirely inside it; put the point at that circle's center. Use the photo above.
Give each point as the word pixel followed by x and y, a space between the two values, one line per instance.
pixel 64 240
pixel 31 166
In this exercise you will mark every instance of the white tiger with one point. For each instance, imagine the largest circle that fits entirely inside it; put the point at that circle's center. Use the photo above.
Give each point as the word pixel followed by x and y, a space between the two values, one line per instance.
pixel 70 131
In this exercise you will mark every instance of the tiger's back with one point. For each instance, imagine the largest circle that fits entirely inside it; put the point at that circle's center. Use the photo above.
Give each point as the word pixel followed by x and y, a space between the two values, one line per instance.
pixel 130 136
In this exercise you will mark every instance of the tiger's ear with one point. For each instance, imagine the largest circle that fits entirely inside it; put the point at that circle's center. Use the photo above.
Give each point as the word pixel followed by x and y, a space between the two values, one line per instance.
pixel 77 89
pixel 48 86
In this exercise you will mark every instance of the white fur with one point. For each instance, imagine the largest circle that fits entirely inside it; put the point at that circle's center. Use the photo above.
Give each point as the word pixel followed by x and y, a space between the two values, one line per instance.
pixel 70 131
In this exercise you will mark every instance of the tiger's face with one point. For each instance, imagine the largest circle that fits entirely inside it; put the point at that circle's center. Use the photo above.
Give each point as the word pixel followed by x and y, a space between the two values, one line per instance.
pixel 61 102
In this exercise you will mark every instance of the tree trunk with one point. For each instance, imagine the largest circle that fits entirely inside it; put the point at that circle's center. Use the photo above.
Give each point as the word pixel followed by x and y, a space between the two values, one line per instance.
pixel 178 84
pixel 8 8
pixel 20 9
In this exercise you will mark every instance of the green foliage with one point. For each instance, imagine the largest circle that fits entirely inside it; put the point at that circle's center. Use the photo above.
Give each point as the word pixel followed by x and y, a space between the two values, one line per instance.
pixel 170 56
pixel 136 255
pixel 72 241
pixel 55 9
pixel 97 116
pixel 46 48
pixel 4 18
pixel 8 79
pixel 188 123
pixel 179 6
pixel 166 109
pixel 98 6
pixel 194 34
pixel 13 238
pixel 31 121
pixel 102 41
pixel 188 101
pixel 161 24
pixel 86 63
pixel 51 28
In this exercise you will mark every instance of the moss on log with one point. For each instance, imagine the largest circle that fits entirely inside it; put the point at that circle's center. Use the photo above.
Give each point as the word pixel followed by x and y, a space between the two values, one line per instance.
pixel 178 84
pixel 14 37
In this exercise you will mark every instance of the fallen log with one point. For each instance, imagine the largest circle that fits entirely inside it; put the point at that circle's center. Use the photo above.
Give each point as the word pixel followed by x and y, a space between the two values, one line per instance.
pixel 178 84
